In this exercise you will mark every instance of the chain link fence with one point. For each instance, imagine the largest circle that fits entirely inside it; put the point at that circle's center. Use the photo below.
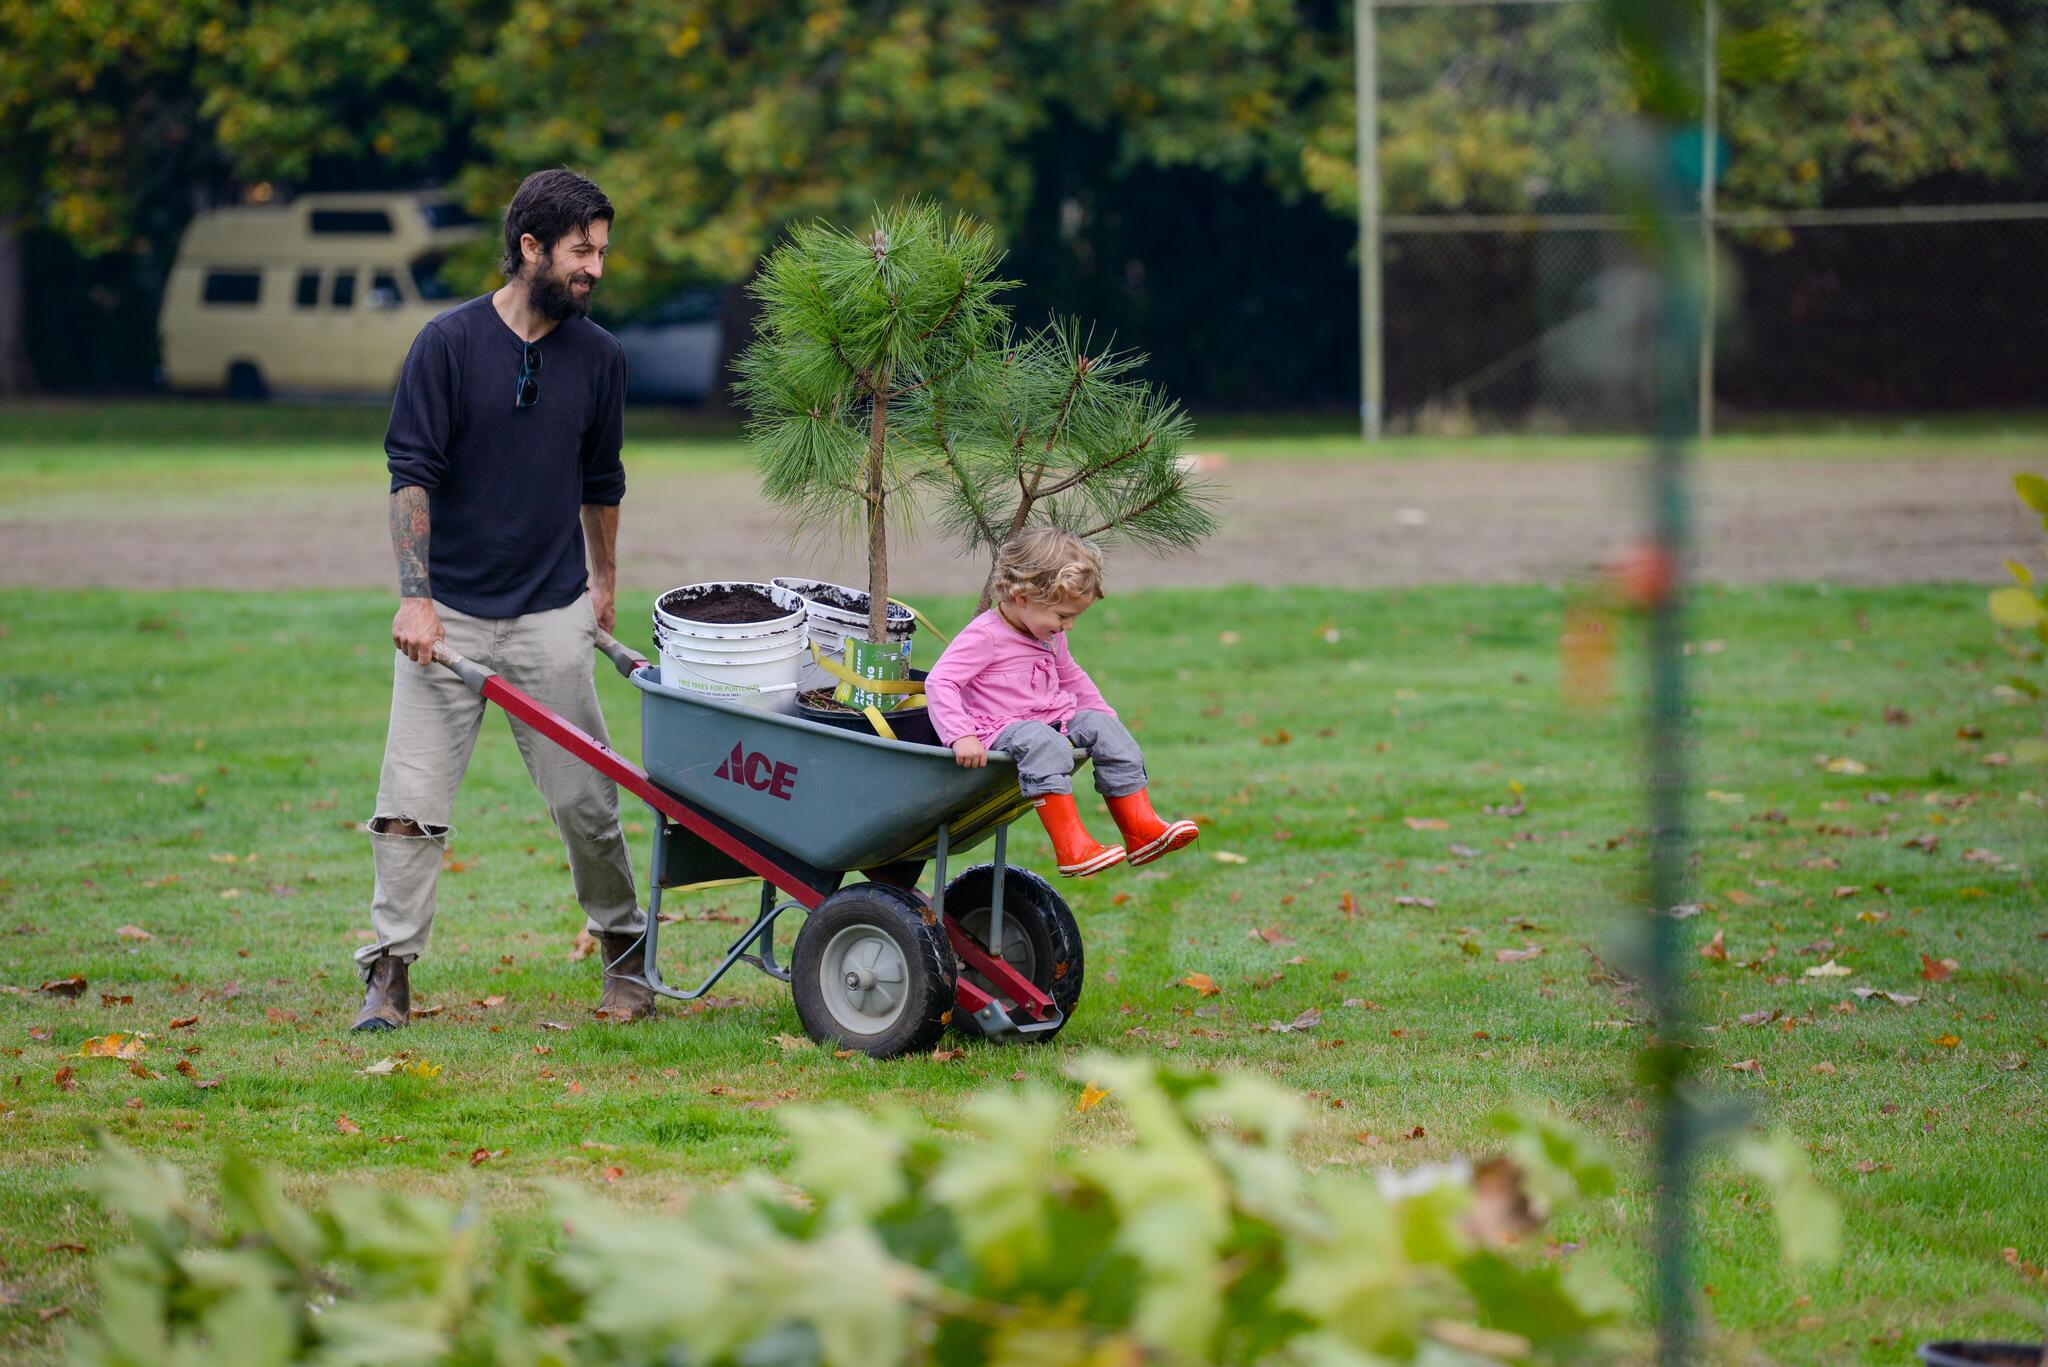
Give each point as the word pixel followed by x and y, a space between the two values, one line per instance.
pixel 1527 309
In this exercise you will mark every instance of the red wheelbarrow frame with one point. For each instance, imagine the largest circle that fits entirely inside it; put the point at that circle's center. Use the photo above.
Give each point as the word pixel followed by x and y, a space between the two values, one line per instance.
pixel 771 865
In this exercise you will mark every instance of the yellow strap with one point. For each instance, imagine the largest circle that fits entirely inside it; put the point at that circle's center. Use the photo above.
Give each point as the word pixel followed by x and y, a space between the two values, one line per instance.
pixel 924 622
pixel 847 676
pixel 882 728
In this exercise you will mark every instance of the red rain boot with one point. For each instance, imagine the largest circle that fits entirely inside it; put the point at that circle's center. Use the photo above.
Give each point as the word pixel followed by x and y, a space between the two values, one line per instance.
pixel 1145 835
pixel 1076 850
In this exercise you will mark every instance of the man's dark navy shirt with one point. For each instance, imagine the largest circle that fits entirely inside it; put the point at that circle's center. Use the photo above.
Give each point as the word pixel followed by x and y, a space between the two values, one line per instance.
pixel 505 486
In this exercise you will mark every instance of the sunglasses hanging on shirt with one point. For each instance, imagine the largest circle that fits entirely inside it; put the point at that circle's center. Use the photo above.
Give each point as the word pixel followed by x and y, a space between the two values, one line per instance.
pixel 527 394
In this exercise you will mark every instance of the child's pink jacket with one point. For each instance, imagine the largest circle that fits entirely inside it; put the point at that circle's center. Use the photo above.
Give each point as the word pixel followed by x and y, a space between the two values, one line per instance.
pixel 993 676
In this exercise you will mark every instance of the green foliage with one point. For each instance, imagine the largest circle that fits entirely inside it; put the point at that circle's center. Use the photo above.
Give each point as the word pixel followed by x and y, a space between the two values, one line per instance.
pixel 105 105
pixel 887 370
pixel 2022 611
pixel 1199 1240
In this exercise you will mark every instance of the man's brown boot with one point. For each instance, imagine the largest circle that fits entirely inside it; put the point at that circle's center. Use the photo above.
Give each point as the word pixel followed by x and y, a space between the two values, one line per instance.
pixel 387 996
pixel 624 1000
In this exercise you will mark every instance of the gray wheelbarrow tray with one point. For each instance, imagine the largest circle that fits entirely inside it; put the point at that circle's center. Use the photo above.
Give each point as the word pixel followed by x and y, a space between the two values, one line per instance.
pixel 742 793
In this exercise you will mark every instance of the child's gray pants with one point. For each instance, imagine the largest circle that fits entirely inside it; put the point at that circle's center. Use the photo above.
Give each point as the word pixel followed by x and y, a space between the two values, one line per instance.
pixel 1045 757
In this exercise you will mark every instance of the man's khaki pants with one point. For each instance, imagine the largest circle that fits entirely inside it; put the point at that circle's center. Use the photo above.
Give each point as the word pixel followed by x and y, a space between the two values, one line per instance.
pixel 434 724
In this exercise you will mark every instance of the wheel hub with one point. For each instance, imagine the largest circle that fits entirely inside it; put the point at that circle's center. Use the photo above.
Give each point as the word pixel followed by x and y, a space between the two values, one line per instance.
pixel 864 979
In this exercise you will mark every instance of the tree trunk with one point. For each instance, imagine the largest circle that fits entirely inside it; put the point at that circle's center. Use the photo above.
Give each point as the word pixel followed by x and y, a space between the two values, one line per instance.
pixel 878 520
pixel 15 375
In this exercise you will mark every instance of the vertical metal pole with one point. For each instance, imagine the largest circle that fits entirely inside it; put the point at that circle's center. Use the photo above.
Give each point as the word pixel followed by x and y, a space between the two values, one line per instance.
pixel 1366 79
pixel 1710 149
pixel 1677 334
pixel 1001 874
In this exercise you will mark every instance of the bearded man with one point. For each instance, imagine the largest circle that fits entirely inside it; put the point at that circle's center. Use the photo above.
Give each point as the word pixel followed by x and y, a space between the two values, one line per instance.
pixel 504 455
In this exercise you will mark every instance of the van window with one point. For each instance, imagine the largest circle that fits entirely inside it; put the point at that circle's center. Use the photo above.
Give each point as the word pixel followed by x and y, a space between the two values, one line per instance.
pixel 356 222
pixel 309 289
pixel 426 277
pixel 342 294
pixel 442 214
pixel 233 287
pixel 384 291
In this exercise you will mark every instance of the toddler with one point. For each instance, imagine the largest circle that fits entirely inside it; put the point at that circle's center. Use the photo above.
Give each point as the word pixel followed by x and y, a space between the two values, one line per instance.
pixel 1009 683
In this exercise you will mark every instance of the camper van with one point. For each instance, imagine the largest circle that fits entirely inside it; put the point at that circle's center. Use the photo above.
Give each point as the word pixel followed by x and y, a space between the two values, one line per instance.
pixel 321 295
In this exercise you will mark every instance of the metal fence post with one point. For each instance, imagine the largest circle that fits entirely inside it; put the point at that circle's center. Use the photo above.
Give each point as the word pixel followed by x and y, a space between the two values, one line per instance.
pixel 1710 151
pixel 1365 62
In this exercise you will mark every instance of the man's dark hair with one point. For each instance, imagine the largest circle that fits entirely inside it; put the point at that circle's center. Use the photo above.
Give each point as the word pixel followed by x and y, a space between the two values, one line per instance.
pixel 550 204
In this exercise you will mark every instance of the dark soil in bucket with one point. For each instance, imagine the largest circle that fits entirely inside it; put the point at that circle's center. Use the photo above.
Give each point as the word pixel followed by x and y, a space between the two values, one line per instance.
pixel 721 606
pixel 1957 1354
pixel 834 597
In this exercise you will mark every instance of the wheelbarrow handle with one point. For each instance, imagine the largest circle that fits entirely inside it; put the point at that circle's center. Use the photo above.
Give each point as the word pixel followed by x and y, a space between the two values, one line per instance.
pixel 466 669
pixel 626 659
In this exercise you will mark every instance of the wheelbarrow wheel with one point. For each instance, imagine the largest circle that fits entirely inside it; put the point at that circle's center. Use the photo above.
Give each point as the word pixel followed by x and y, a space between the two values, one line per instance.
pixel 870 973
pixel 1040 939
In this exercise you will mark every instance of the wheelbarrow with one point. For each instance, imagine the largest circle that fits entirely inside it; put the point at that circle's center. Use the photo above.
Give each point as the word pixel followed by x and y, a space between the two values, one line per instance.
pixel 878 964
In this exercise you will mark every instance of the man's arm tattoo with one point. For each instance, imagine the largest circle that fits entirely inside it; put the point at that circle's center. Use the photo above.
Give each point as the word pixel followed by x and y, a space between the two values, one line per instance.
pixel 409 537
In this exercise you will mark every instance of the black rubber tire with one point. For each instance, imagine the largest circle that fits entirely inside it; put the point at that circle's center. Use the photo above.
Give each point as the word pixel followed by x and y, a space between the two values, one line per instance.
pixel 927 959
pixel 1057 964
pixel 246 383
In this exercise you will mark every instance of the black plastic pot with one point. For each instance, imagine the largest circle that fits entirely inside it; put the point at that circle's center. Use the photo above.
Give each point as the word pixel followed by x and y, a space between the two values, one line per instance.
pixel 913 724
pixel 1958 1353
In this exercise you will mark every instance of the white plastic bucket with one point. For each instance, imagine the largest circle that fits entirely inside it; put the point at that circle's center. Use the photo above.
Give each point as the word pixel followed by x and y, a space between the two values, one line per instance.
pixel 830 626
pixel 756 663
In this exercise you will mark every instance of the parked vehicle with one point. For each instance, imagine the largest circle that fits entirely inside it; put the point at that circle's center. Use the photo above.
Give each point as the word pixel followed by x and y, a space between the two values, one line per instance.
pixel 672 349
pixel 324 294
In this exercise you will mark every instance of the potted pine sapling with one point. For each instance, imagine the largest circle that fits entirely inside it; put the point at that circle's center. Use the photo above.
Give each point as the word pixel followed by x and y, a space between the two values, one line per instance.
pixel 852 327
pixel 1051 431
pixel 888 376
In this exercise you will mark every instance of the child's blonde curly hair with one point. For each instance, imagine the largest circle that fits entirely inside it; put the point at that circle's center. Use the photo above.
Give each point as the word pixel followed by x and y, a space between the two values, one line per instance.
pixel 1048 565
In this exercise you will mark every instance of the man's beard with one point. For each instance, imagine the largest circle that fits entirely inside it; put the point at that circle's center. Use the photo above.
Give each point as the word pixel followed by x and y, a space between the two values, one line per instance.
pixel 555 297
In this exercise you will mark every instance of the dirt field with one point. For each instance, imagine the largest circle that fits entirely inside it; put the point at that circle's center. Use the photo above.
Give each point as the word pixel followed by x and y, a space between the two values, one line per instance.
pixel 1337 522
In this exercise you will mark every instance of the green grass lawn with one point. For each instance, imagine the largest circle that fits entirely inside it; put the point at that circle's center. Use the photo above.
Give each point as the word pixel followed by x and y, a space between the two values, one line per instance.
pixel 193 766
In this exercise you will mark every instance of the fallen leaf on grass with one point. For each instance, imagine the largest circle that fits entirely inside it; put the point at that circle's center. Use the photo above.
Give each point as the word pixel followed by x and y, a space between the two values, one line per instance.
pixel 1937 970
pixel 50 1312
pixel 1926 844
pixel 346 1126
pixel 191 1075
pixel 64 987
pixel 1348 905
pixel 1417 1133
pixel 1748 1065
pixel 1764 1017
pixel 1516 956
pixel 613 1174
pixel 134 933
pixel 1202 983
pixel 1425 903
pixel 1945 1041
pixel 65 1246
pixel 144 1072
pixel 1982 856
pixel 1091 1097
pixel 1823 1070
pixel 1830 969
pixel 792 1042
pixel 383 1067
pixel 1715 949
pixel 116 1045
pixel 1847 890
pixel 277 1015
pixel 945 1055
pixel 64 1079
pixel 1425 823
pixel 1226 857
pixel 1895 998
pixel 1307 1020
pixel 554 1025
pixel 1120 899
pixel 488 1002
pixel 479 1157
pixel 427 1012
pixel 583 947
pixel 1272 935
pixel 184 1022
pixel 1842 764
